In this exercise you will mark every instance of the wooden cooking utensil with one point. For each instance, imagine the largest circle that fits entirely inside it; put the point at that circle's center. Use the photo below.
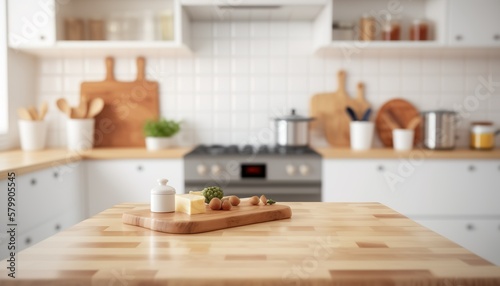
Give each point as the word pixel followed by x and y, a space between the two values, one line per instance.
pixel 401 110
pixel 81 110
pixel 43 110
pixel 389 121
pixel 414 122
pixel 24 114
pixel 95 107
pixel 63 106
pixel 177 222
pixel 127 106
pixel 33 112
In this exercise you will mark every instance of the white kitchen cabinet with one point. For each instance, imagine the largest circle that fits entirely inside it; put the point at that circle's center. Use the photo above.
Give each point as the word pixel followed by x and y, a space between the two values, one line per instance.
pixel 111 182
pixel 474 23
pixel 47 201
pixel 31 23
pixel 419 189
pixel 481 236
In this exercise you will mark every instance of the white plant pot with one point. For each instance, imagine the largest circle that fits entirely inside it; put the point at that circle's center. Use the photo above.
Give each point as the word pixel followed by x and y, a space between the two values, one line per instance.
pixel 33 135
pixel 80 134
pixel 158 143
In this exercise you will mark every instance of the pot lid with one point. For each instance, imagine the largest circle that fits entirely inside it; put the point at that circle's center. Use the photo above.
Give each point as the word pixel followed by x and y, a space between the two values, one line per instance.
pixel 163 188
pixel 294 117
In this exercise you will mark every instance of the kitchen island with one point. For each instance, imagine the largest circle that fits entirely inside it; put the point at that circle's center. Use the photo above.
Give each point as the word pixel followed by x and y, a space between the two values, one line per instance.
pixel 322 244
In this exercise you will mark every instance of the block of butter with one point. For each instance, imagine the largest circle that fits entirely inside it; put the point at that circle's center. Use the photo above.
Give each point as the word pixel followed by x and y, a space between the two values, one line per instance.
pixel 198 193
pixel 190 204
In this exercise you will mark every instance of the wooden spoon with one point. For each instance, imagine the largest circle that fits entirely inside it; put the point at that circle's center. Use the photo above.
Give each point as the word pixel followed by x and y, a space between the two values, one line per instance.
pixel 81 110
pixel 33 112
pixel 24 114
pixel 43 110
pixel 95 107
pixel 63 105
pixel 414 122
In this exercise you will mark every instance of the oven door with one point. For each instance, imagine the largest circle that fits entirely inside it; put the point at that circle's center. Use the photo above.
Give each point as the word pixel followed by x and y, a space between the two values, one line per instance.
pixel 280 192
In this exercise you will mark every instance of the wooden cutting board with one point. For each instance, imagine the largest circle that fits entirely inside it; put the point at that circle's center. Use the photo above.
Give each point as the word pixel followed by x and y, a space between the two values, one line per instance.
pixel 329 109
pixel 181 223
pixel 402 111
pixel 128 105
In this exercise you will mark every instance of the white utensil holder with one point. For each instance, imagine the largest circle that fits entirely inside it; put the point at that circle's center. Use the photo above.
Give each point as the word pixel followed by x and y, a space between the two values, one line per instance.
pixel 80 134
pixel 33 135
pixel 361 135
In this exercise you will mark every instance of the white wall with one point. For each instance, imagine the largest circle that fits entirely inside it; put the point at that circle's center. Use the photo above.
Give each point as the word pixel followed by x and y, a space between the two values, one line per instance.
pixel 244 73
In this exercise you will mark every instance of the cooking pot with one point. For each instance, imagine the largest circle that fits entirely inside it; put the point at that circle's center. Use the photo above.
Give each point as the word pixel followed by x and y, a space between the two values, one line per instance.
pixel 292 130
pixel 439 129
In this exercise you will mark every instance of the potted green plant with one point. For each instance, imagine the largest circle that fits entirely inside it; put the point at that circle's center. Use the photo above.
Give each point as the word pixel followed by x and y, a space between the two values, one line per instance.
pixel 159 133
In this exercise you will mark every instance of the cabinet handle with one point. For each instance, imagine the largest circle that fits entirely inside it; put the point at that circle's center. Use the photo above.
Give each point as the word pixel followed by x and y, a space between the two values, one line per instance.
pixel 42 37
pixel 470 227
pixel 380 168
pixel 472 168
pixel 140 168
pixel 458 37
pixel 58 227
pixel 56 175
pixel 33 182
pixel 496 37
pixel 28 240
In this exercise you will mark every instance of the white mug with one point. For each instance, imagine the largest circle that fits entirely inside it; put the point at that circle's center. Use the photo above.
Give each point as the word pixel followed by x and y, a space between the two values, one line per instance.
pixel 402 139
pixel 361 135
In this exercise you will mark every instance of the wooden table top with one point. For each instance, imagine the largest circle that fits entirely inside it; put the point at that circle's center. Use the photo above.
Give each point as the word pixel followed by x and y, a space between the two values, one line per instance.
pixel 389 153
pixel 322 244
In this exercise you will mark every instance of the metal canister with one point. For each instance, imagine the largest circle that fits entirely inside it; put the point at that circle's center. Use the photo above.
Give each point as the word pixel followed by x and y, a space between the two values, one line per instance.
pixel 439 129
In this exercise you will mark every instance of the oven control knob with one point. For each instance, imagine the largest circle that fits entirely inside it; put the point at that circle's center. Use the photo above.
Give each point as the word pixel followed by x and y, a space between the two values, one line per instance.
pixel 304 170
pixel 290 169
pixel 201 169
pixel 216 170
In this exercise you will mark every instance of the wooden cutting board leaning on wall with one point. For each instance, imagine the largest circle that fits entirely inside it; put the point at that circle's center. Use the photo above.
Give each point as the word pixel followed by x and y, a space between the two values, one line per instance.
pixel 329 109
pixel 128 105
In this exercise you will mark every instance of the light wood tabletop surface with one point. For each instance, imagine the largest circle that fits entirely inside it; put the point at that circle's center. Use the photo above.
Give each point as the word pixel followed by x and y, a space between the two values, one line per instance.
pixel 322 244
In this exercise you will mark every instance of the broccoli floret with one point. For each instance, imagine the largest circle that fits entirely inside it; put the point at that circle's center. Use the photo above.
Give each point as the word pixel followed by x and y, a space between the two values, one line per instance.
pixel 212 192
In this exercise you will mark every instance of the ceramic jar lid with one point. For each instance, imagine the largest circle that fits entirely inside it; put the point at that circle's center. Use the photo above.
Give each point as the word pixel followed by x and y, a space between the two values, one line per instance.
pixel 163 188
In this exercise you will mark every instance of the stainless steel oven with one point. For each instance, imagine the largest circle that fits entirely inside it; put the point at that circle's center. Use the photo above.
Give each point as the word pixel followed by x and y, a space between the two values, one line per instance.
pixel 281 173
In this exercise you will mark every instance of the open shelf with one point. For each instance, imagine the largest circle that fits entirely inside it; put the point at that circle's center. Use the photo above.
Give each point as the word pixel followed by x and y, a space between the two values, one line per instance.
pixel 104 48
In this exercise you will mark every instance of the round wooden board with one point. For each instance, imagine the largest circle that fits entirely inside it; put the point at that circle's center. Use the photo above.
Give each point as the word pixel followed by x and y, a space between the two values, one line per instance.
pixel 403 112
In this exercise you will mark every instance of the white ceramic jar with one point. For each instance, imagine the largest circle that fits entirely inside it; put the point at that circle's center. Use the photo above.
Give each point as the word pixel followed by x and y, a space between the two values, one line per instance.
pixel 162 197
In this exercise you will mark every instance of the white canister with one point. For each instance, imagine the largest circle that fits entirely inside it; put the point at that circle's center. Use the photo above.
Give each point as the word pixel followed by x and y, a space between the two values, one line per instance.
pixel 361 135
pixel 33 134
pixel 80 134
pixel 163 198
pixel 402 139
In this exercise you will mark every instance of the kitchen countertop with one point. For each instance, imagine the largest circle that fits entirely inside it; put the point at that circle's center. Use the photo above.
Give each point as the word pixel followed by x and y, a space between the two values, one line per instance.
pixel 25 162
pixel 388 153
pixel 322 244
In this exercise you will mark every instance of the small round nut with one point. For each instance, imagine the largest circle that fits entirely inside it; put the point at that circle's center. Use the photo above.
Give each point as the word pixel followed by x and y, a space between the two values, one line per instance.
pixel 226 205
pixel 215 204
pixel 254 200
pixel 234 200
pixel 263 199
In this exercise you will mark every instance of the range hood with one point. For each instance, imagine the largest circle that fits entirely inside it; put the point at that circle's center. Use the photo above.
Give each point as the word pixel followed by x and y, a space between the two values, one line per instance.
pixel 270 10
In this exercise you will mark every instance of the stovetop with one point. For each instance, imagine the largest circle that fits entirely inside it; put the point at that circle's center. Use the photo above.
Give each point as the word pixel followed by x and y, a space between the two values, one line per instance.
pixel 216 150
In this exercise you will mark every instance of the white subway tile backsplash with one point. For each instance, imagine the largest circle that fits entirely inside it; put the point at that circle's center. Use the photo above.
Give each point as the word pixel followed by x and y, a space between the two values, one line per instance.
pixel 240 66
pixel 240 30
pixel 259 29
pixel 259 47
pixel 240 47
pixel 243 74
